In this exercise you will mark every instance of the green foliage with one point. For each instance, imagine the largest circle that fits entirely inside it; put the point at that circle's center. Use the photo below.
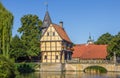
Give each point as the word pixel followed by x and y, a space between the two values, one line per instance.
pixel 17 48
pixel 104 39
pixel 25 68
pixel 30 34
pixel 6 23
pixel 114 45
pixel 7 69
pixel 98 69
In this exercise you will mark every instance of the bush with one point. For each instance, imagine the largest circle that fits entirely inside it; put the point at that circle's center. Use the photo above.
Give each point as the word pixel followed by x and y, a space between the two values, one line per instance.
pixel 25 68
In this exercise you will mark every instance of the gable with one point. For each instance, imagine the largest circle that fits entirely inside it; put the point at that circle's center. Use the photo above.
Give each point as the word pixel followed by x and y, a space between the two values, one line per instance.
pixel 62 33
pixel 51 35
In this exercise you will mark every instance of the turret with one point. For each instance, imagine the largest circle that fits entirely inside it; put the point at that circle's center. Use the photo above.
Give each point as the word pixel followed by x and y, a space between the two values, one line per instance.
pixel 90 40
pixel 46 22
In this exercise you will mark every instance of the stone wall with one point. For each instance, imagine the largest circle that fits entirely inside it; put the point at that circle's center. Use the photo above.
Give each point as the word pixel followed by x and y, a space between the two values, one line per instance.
pixel 76 67
pixel 52 67
pixel 81 67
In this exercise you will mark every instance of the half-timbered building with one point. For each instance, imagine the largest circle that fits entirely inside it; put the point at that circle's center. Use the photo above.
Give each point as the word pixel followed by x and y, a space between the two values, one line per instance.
pixel 55 44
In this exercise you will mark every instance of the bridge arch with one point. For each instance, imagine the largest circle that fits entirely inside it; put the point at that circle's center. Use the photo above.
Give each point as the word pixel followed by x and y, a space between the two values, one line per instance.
pixel 95 69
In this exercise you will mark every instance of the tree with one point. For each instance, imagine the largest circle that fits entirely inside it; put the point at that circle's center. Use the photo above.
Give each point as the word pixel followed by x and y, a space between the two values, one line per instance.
pixel 30 34
pixel 6 23
pixel 104 39
pixel 7 68
pixel 114 46
pixel 17 48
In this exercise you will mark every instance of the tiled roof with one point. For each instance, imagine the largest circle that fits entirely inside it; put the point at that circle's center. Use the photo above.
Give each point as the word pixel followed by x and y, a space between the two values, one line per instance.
pixel 90 51
pixel 61 32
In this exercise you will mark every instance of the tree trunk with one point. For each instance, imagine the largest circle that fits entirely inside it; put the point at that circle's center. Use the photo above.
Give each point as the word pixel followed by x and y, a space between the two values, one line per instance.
pixel 3 41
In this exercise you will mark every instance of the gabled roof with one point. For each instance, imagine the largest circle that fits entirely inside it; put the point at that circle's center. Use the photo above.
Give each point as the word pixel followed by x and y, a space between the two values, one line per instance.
pixel 90 51
pixel 61 32
pixel 47 20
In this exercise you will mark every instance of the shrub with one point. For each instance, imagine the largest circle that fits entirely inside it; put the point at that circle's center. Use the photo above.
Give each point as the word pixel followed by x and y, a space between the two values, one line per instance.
pixel 25 68
pixel 7 68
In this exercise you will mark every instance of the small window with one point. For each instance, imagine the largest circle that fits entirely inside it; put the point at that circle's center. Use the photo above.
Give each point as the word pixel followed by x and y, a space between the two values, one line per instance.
pixel 45 57
pixel 56 56
pixel 53 33
pixel 47 33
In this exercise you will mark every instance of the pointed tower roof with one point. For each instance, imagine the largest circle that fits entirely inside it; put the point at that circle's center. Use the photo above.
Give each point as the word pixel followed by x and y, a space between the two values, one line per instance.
pixel 90 41
pixel 47 20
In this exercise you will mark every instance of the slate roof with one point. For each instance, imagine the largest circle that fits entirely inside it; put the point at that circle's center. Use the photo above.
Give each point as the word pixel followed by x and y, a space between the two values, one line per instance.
pixel 61 32
pixel 47 20
pixel 90 51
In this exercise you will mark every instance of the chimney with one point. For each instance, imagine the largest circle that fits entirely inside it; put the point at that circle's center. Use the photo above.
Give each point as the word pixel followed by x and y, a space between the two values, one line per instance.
pixel 61 24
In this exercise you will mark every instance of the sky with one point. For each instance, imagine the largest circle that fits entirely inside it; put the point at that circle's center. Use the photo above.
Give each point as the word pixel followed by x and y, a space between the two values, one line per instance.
pixel 81 18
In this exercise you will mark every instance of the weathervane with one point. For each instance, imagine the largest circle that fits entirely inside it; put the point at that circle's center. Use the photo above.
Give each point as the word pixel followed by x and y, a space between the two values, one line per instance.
pixel 46 4
pixel 89 35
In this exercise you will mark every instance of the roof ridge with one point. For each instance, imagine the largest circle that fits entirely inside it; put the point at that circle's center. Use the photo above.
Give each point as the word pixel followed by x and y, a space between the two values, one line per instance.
pixel 62 32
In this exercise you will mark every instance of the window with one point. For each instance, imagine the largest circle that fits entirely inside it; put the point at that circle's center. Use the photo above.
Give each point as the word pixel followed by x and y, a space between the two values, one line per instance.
pixel 53 33
pixel 56 57
pixel 47 33
pixel 45 57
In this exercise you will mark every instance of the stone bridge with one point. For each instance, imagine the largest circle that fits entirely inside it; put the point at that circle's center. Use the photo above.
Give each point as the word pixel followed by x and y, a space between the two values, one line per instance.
pixel 110 66
pixel 80 66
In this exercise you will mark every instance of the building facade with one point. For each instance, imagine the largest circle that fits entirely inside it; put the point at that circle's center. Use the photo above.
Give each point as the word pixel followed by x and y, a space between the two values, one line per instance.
pixel 55 44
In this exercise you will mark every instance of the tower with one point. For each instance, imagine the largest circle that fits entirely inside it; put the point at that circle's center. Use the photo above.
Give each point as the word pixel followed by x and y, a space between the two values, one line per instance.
pixel 90 40
pixel 46 22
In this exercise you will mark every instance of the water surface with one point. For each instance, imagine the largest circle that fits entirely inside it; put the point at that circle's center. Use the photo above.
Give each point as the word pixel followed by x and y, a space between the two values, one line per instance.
pixel 70 75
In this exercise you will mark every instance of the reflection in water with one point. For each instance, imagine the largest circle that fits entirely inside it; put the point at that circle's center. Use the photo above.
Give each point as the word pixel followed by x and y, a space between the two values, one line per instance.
pixel 70 75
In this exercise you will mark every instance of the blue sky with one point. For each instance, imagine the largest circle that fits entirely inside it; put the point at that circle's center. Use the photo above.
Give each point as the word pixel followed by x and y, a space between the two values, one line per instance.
pixel 80 17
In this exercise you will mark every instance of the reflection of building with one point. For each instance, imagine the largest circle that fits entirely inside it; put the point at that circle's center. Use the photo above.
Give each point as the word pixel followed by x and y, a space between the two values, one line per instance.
pixel 51 75
pixel 55 43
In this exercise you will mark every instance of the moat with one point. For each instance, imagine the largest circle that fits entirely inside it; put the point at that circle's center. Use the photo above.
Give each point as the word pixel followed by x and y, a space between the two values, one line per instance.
pixel 70 75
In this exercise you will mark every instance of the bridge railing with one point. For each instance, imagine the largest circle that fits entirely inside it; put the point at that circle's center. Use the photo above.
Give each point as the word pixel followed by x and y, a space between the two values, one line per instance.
pixel 91 61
